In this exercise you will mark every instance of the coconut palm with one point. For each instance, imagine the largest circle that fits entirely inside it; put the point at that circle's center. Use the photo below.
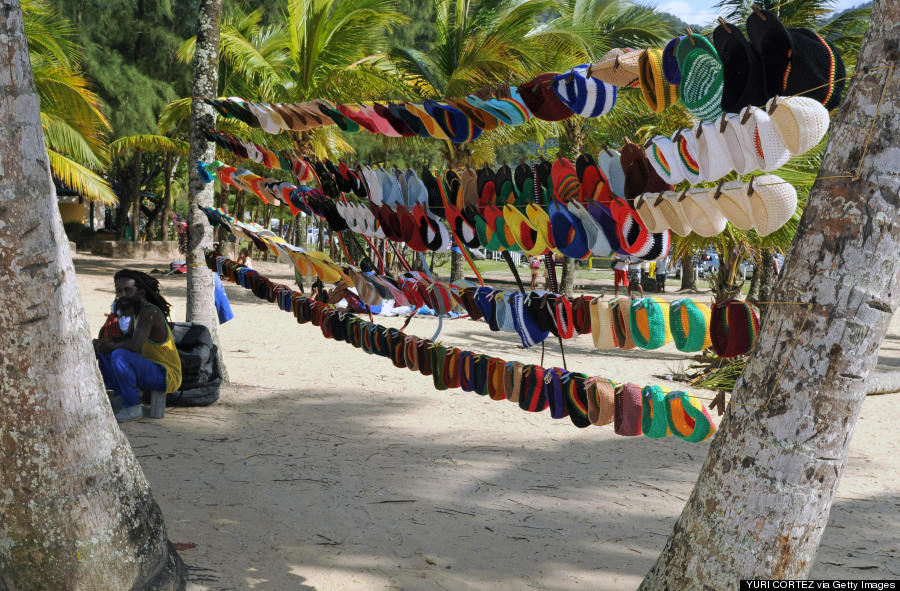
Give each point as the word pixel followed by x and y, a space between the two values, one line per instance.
pixel 71 114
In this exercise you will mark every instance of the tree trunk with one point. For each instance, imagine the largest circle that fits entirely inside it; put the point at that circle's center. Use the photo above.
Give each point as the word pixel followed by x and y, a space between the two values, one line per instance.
pixel 77 510
pixel 766 279
pixel 200 287
pixel 688 273
pixel 765 491
pixel 457 265
pixel 567 281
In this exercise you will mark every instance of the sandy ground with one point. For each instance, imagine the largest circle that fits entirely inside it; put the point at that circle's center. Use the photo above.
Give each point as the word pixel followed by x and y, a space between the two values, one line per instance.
pixel 325 468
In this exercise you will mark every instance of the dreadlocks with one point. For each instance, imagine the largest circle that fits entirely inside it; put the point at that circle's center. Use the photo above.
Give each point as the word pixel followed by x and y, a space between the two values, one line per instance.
pixel 149 285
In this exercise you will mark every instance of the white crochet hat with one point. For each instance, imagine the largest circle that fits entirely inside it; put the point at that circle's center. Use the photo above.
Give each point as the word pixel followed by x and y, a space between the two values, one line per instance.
pixel 706 218
pixel 653 220
pixel 269 120
pixel 715 161
pixel 741 160
pixel 664 158
pixel 735 205
pixel 601 324
pixel 761 139
pixel 800 121
pixel 773 202
pixel 672 212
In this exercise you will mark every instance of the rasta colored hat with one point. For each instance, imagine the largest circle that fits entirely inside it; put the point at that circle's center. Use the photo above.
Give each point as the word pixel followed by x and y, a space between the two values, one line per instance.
pixel 531 396
pixel 649 318
pixel 688 417
pixel 689 323
pixel 575 393
pixel 701 77
pixel 670 62
pixel 657 91
pixel 618 67
pixel 733 328
pixel 413 123
pixel 542 100
pixel 585 95
pixel 800 121
pixel 628 410
pixel 796 61
pixel 458 127
pixel 742 69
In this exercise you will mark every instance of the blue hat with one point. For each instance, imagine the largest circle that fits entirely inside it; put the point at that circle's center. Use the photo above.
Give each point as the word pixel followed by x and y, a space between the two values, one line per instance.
pixel 456 124
pixel 670 63
pixel 484 297
pixel 569 234
pixel 585 95
pixel 526 327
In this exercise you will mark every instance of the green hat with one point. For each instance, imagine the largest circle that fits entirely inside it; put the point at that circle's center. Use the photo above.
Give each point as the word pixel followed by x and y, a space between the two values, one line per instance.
pixel 689 322
pixel 702 78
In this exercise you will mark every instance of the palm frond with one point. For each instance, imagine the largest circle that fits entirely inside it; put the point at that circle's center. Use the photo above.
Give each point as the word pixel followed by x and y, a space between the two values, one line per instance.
pixel 149 142
pixel 61 137
pixel 80 179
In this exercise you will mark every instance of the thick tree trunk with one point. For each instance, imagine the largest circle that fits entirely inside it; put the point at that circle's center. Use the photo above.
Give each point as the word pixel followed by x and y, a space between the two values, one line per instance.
pixel 765 491
pixel 567 281
pixel 200 287
pixel 688 274
pixel 77 512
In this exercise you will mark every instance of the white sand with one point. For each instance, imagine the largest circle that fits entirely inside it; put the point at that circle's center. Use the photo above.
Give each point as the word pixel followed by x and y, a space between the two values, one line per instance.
pixel 322 467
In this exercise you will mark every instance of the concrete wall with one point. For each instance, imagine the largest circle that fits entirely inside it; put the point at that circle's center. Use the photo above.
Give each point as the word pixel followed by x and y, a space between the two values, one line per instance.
pixel 137 250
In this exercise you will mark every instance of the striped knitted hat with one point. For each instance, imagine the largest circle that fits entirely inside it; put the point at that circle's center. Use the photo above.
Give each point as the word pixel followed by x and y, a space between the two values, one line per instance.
pixel 531 397
pixel 512 380
pixel 575 390
pixel 688 417
pixel 456 124
pixel 657 91
pixel 654 412
pixel 525 326
pixel 628 410
pixel 733 328
pixel 701 77
pixel 649 318
pixel 586 96
pixel 689 323
pixel 622 323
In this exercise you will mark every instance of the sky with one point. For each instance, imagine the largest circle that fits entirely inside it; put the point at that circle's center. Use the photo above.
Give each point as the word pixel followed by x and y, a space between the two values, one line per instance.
pixel 701 12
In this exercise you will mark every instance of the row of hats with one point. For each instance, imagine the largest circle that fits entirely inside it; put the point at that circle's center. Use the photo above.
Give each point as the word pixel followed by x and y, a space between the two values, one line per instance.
pixel 755 139
pixel 730 326
pixel 582 216
pixel 652 410
pixel 551 96
pixel 766 203
pixel 730 73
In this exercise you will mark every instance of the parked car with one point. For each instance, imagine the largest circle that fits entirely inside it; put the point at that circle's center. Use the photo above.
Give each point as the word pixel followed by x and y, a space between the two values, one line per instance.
pixel 709 263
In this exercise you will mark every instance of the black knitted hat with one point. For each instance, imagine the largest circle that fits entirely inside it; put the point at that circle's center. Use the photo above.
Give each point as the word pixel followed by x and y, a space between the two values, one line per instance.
pixel 411 121
pixel 796 60
pixel 745 82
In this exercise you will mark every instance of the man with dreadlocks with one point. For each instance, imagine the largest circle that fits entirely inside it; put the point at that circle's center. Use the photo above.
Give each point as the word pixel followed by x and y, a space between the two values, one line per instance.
pixel 146 358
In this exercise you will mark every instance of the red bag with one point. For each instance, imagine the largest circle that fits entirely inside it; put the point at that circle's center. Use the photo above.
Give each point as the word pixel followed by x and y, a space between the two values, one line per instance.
pixel 111 329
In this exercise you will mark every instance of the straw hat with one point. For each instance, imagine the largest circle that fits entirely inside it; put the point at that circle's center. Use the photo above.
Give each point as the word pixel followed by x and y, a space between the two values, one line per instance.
pixel 602 324
pixel 801 122
pixel 618 67
pixel 601 401
pixel 740 153
pixel 773 202
pixel 654 221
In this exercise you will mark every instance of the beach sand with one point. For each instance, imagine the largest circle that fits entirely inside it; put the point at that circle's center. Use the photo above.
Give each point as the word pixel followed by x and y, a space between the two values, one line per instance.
pixel 322 467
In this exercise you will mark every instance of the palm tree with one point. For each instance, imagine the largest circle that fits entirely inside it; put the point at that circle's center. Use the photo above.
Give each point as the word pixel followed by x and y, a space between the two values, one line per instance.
pixel 60 449
pixel 71 115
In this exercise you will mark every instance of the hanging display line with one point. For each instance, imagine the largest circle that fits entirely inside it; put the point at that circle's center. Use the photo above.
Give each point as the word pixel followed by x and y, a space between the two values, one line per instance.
pixel 653 411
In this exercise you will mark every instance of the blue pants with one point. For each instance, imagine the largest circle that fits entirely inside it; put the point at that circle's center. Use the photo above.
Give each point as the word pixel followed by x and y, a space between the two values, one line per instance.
pixel 128 373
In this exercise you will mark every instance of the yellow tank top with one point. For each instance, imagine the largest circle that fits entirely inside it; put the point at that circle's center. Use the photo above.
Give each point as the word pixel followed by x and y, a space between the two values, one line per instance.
pixel 166 355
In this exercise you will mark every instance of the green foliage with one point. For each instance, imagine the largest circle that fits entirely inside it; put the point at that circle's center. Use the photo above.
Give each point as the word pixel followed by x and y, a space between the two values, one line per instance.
pixel 78 233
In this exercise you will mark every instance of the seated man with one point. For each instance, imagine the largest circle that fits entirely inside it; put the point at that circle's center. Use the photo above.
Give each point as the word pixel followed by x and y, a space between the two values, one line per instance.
pixel 145 358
